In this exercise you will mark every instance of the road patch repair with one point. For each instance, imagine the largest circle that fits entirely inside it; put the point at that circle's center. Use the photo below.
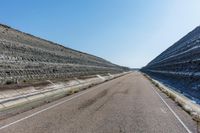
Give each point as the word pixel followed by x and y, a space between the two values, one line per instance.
pixel 18 100
pixel 185 103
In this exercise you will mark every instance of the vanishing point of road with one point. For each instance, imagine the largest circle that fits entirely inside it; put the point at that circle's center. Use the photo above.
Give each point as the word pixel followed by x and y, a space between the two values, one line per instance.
pixel 128 104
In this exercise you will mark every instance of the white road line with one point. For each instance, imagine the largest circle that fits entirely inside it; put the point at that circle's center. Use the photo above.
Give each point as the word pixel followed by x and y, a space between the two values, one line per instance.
pixel 163 110
pixel 177 117
pixel 50 107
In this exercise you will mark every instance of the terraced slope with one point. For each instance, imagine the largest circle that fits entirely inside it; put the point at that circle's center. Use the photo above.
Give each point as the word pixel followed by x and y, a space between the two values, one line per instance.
pixel 179 65
pixel 24 57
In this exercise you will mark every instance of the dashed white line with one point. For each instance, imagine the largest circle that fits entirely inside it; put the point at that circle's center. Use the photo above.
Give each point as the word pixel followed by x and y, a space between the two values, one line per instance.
pixel 177 117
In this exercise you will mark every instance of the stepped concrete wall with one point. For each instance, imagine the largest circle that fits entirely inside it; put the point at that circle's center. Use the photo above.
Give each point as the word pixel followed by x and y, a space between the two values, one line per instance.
pixel 24 57
pixel 179 65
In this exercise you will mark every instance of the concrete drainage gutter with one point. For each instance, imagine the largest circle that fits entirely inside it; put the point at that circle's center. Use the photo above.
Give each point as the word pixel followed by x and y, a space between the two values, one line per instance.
pixel 13 101
pixel 187 104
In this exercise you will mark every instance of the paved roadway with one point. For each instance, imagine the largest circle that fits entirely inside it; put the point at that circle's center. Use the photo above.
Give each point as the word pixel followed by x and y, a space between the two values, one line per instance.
pixel 129 104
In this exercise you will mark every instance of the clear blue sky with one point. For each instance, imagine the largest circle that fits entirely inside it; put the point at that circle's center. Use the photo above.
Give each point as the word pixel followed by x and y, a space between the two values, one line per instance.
pixel 125 32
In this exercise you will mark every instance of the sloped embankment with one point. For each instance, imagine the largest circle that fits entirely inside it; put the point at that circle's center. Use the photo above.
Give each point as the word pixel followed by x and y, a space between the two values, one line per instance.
pixel 179 66
pixel 26 58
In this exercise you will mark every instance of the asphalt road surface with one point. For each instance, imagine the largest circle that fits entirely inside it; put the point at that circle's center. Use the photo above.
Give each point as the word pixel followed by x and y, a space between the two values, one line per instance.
pixel 129 104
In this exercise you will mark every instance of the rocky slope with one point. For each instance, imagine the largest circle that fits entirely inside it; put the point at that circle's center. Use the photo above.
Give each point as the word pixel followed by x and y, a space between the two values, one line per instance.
pixel 179 65
pixel 24 57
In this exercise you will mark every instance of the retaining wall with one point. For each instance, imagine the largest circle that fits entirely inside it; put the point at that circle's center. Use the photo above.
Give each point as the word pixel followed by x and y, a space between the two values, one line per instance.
pixel 24 57
pixel 179 66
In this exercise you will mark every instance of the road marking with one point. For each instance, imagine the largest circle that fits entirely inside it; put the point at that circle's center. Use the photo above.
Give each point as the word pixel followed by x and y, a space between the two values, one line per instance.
pixel 43 110
pixel 163 110
pixel 177 117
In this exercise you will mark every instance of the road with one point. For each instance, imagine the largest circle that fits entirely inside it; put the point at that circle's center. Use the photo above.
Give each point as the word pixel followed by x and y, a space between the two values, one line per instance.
pixel 129 104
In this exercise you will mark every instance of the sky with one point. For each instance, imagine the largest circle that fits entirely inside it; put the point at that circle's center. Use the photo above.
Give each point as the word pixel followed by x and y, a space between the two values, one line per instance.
pixel 126 32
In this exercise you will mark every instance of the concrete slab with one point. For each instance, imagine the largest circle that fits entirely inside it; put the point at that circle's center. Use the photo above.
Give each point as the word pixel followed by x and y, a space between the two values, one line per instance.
pixel 15 103
pixel 1 106
pixel 26 90
pixel 35 97
pixel 9 93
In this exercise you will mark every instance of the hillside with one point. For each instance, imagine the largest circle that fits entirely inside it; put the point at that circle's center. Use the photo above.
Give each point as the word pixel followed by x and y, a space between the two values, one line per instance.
pixel 179 65
pixel 24 57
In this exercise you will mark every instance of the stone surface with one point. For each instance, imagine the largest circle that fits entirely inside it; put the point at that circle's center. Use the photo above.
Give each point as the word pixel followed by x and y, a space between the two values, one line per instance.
pixel 179 66
pixel 24 57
